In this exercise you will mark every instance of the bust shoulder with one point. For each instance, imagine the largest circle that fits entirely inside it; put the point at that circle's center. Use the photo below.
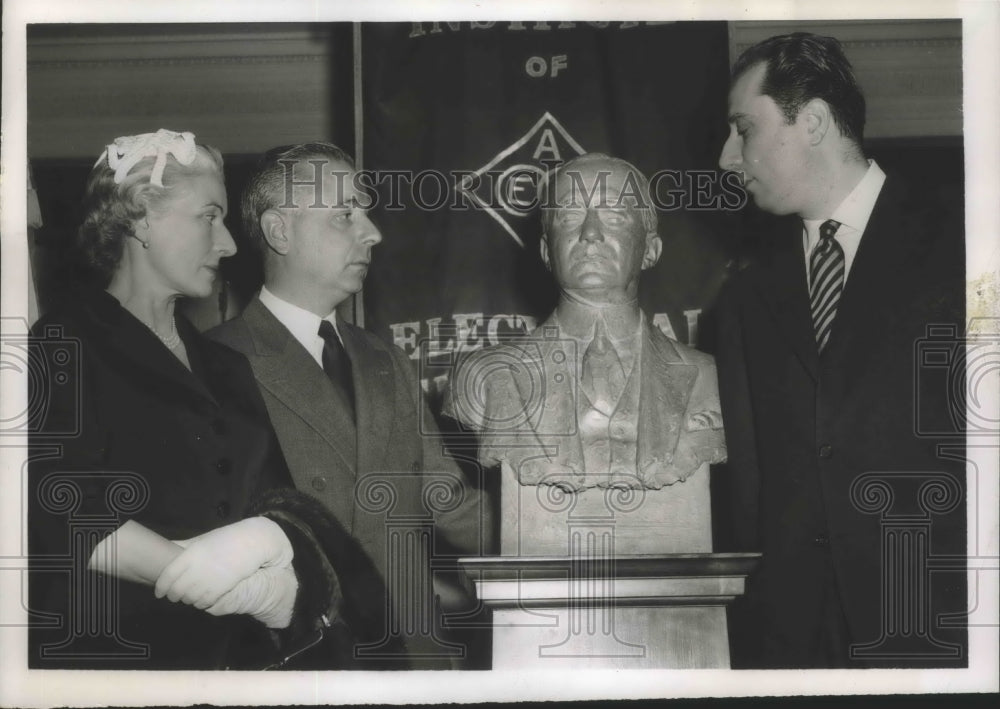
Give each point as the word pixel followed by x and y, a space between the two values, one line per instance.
pixel 686 353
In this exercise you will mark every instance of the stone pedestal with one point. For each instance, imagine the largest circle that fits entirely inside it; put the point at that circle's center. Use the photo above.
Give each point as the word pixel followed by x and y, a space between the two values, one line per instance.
pixel 608 578
pixel 630 612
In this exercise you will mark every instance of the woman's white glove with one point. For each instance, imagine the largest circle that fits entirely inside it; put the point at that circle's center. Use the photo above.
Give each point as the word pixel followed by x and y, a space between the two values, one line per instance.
pixel 268 595
pixel 212 564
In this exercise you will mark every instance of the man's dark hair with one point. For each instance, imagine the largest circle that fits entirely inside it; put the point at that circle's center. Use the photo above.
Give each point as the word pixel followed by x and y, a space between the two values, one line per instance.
pixel 802 66
pixel 266 188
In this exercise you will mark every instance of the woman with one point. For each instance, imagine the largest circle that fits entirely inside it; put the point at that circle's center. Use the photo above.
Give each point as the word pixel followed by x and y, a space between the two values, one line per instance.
pixel 152 433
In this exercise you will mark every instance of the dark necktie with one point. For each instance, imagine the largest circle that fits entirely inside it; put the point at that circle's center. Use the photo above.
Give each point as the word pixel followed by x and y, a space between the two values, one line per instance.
pixel 826 281
pixel 336 363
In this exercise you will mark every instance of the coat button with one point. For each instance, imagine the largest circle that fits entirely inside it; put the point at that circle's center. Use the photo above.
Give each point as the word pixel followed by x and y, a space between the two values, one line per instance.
pixel 826 451
pixel 319 484
pixel 223 466
pixel 222 509
pixel 821 540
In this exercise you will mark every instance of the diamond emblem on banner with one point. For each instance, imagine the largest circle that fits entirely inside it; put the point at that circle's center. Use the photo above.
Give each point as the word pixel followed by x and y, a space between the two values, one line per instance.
pixel 506 187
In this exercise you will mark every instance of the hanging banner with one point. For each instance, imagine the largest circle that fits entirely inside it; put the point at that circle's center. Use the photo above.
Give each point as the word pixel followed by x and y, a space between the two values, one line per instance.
pixel 462 120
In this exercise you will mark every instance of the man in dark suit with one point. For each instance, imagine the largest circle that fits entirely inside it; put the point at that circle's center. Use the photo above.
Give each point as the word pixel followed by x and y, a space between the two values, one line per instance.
pixel 347 407
pixel 830 467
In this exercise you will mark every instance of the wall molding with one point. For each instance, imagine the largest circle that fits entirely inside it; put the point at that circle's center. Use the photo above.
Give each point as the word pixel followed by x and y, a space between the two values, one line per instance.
pixel 90 65
pixel 247 87
pixel 242 88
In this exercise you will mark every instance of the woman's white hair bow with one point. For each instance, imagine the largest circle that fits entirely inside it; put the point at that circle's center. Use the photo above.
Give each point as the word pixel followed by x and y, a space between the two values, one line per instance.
pixel 125 152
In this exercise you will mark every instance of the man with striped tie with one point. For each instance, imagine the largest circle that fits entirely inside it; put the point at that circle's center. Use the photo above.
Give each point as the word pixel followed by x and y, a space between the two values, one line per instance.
pixel 818 338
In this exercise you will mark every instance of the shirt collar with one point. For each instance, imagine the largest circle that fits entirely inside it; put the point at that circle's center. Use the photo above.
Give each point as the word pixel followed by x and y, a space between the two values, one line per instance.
pixel 856 209
pixel 303 324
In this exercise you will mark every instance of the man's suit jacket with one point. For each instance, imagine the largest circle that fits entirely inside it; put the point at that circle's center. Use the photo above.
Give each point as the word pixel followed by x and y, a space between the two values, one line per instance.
pixel 380 476
pixel 801 428
pixel 523 398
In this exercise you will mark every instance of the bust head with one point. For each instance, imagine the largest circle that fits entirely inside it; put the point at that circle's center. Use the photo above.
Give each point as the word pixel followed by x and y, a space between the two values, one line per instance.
pixel 599 228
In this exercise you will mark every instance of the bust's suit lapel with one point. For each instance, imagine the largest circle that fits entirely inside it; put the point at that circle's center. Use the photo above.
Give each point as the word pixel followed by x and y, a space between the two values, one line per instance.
pixel 287 371
pixel 667 382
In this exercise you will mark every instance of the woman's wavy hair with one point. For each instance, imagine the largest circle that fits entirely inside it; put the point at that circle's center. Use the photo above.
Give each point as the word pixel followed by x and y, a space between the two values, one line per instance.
pixel 110 210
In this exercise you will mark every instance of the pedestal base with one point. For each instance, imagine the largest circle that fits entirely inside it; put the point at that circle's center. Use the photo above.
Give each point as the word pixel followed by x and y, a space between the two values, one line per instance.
pixel 632 612
pixel 605 638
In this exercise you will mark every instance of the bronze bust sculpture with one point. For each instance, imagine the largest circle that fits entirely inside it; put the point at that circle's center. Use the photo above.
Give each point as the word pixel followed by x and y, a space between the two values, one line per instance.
pixel 596 396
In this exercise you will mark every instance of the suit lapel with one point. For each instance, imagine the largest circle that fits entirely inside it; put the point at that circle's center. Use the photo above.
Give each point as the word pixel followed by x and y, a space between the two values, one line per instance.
pixel 211 373
pixel 665 378
pixel 871 288
pixel 374 397
pixel 782 286
pixel 285 369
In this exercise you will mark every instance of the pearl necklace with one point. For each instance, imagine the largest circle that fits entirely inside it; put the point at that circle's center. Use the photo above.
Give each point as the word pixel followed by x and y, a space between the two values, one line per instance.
pixel 172 340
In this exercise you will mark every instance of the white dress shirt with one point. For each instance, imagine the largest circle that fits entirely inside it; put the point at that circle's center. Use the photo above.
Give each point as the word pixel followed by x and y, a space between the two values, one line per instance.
pixel 303 324
pixel 853 215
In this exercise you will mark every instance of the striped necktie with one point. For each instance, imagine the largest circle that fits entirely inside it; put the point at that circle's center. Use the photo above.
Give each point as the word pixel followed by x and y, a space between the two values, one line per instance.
pixel 826 281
